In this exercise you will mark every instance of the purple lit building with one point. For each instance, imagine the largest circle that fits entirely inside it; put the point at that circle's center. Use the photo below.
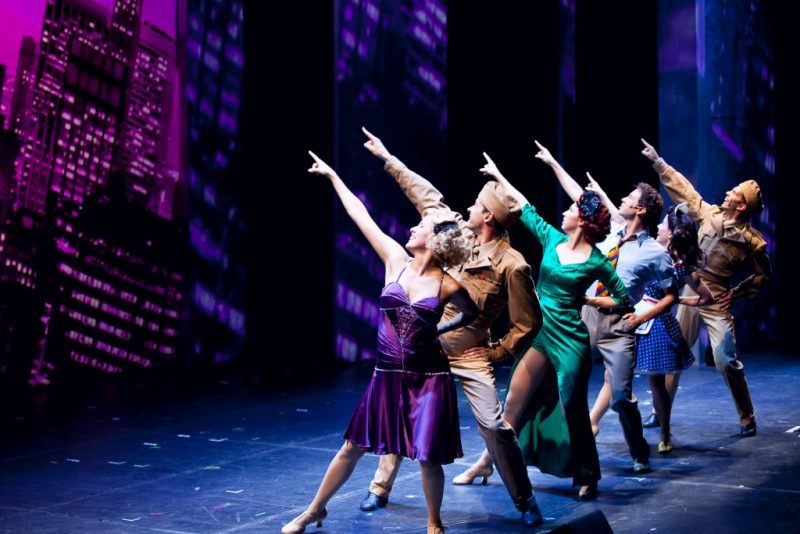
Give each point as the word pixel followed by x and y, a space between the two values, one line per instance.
pixel 21 240
pixel 111 307
pixel 77 107
pixel 23 86
pixel 18 248
pixel 126 16
pixel 2 86
pixel 102 275
pixel 143 146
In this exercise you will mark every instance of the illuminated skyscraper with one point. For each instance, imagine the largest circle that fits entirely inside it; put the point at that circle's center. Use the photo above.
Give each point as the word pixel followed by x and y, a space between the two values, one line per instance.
pixel 23 85
pixel 126 16
pixel 77 107
pixel 112 306
pixel 110 288
pixel 2 86
pixel 143 144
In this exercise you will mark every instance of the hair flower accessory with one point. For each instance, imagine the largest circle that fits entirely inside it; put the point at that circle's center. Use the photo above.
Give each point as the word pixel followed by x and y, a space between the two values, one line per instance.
pixel 589 203
pixel 441 227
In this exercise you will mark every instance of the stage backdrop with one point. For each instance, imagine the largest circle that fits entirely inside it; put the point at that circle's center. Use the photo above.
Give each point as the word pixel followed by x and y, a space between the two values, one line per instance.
pixel 717 119
pixel 390 77
pixel 105 203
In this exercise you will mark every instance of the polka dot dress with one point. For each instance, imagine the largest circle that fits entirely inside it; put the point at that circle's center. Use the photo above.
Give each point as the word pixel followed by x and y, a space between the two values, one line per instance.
pixel 663 349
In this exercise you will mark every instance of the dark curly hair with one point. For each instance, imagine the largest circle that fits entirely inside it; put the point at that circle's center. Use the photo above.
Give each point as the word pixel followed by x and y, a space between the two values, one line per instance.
pixel 595 218
pixel 683 244
pixel 652 202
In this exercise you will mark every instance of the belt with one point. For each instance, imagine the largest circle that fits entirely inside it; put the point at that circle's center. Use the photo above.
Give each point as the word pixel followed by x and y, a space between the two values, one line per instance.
pixel 616 310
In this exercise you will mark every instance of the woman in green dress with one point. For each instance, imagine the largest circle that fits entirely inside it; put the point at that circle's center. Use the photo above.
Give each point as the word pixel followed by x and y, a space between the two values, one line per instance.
pixel 547 396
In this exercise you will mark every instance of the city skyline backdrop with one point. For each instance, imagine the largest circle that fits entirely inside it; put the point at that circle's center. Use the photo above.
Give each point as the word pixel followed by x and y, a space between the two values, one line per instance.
pixel 25 19
pixel 89 166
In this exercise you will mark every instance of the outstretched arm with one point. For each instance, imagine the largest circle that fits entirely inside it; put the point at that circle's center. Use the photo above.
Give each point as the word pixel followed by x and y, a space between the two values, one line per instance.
pixel 387 248
pixel 490 169
pixel 568 183
pixel 542 230
pixel 419 191
pixel 678 187
pixel 376 146
pixel 612 209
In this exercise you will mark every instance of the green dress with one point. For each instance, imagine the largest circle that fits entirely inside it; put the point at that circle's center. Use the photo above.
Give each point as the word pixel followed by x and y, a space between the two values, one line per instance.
pixel 556 435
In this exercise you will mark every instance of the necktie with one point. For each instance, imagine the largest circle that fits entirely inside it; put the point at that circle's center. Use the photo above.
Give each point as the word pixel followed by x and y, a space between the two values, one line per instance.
pixel 613 257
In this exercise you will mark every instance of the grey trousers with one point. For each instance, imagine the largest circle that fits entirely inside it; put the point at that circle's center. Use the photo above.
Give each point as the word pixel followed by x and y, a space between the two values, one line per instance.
pixel 616 342
pixel 723 345
pixel 477 380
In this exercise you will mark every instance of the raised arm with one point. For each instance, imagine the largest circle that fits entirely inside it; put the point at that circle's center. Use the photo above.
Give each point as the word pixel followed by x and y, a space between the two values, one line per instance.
pixel 612 209
pixel 490 169
pixel 568 183
pixel 419 191
pixel 387 248
pixel 542 230
pixel 678 187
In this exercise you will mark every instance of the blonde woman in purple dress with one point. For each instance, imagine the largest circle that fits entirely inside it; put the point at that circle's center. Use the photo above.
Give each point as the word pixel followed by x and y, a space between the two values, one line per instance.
pixel 409 407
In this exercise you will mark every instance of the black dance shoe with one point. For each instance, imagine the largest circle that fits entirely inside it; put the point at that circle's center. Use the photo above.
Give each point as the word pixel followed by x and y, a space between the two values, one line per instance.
pixel 532 517
pixel 372 502
pixel 652 421
pixel 748 431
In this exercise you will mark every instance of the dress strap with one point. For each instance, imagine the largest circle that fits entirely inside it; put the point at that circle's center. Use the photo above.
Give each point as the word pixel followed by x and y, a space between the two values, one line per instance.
pixel 403 270
pixel 439 291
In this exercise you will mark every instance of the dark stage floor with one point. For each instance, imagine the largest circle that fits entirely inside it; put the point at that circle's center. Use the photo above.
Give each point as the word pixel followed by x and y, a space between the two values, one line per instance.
pixel 238 460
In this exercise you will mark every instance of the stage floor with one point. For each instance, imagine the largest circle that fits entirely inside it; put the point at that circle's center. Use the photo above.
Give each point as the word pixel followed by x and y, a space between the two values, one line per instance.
pixel 237 460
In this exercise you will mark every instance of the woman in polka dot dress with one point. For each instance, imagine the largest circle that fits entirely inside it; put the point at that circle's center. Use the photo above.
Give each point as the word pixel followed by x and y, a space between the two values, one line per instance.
pixel 662 351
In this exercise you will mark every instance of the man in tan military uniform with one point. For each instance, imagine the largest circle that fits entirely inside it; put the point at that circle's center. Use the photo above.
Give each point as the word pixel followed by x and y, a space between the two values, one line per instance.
pixel 731 246
pixel 497 277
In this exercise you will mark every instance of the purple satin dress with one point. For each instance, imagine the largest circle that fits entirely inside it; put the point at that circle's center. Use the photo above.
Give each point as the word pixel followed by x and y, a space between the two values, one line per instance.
pixel 409 407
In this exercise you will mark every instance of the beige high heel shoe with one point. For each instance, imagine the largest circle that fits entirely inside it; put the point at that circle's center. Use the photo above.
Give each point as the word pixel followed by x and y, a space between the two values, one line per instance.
pixel 435 529
pixel 588 492
pixel 665 445
pixel 467 477
pixel 298 524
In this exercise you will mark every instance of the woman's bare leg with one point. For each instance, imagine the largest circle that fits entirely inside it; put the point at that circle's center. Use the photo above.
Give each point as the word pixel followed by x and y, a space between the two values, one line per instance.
pixel 671 381
pixel 601 404
pixel 526 379
pixel 339 470
pixel 433 487
pixel 662 403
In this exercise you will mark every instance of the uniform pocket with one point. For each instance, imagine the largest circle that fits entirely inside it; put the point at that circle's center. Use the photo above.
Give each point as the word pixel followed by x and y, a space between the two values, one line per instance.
pixel 483 290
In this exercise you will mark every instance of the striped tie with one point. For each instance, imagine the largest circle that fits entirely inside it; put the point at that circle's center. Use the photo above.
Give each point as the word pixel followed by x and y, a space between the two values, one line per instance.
pixel 613 257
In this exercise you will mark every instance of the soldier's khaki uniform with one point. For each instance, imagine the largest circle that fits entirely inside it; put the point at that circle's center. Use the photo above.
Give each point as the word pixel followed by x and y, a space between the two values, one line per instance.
pixel 730 247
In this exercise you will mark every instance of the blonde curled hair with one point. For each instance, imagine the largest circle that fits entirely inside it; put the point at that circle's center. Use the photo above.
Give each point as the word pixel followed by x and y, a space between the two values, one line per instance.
pixel 449 245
